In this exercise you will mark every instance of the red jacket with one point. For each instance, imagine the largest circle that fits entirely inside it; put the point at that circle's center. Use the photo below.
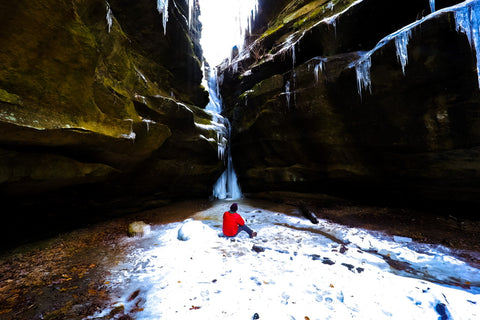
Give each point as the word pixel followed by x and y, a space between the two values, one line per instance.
pixel 231 221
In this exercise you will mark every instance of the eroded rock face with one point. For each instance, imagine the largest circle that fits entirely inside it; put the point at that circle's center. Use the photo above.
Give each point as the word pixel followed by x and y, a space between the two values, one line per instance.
pixel 100 107
pixel 304 121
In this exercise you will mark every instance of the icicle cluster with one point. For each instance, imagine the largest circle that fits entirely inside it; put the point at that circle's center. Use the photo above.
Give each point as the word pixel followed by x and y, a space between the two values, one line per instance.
pixel 467 20
pixel 162 7
pixel 362 69
pixel 401 43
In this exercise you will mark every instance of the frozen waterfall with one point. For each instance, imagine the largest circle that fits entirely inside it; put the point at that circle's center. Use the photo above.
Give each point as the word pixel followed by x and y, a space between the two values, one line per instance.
pixel 227 186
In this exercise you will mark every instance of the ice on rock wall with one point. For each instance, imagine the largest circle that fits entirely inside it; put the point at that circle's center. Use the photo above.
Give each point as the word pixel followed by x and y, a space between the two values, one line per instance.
pixel 467 19
pixel 109 17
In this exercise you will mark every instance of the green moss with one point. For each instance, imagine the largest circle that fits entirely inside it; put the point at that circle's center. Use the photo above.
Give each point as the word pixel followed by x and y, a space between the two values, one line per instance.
pixel 267 86
pixel 9 97
pixel 271 31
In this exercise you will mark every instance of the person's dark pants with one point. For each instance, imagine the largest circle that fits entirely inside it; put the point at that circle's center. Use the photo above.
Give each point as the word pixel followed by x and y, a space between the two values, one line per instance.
pixel 246 229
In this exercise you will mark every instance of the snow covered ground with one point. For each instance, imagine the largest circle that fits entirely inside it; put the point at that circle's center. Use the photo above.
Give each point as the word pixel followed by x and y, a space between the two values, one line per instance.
pixel 292 270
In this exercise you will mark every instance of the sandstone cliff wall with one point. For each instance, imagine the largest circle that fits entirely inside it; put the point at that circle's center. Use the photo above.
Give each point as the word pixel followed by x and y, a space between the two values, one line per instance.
pixel 101 107
pixel 328 100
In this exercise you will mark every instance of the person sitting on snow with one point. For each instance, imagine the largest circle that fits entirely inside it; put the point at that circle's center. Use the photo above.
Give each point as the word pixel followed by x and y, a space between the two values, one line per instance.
pixel 233 223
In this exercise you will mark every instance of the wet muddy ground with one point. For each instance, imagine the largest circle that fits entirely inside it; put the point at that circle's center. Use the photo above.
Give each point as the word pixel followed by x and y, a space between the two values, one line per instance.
pixel 64 277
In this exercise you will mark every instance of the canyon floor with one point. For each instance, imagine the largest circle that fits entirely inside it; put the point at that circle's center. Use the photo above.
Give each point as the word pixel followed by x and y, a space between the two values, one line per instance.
pixel 358 262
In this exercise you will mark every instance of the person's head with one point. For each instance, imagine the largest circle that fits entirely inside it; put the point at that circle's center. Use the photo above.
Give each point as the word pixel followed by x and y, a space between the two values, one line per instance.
pixel 233 207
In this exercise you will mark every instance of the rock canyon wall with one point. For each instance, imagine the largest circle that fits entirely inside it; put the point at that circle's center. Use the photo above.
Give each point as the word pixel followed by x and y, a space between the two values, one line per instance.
pixel 101 107
pixel 373 100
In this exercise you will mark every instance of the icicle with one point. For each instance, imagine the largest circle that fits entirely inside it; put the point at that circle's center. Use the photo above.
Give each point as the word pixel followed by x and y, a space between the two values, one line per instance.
pixel 294 58
pixel 147 123
pixel 162 7
pixel 332 21
pixel 432 5
pixel 109 17
pixel 467 20
pixel 287 93
pixel 362 68
pixel 190 12
pixel 401 43
pixel 319 67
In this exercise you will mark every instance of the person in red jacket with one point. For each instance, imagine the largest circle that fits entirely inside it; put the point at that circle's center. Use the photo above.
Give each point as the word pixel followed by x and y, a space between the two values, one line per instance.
pixel 233 223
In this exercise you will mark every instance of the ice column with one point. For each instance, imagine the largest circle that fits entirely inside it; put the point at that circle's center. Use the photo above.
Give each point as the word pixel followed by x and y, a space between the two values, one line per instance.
pixel 467 21
pixel 401 43
pixel 162 7
pixel 432 5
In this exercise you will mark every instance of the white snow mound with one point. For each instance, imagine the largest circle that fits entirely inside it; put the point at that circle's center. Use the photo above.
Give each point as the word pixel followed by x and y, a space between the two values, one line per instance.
pixel 197 230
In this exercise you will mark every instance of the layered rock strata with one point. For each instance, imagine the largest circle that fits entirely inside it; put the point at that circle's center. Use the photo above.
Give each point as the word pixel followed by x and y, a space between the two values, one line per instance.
pixel 372 100
pixel 101 107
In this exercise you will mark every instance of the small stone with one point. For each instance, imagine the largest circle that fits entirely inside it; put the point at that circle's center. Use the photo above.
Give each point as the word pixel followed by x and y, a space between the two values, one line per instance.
pixel 258 248
pixel 349 266
pixel 256 316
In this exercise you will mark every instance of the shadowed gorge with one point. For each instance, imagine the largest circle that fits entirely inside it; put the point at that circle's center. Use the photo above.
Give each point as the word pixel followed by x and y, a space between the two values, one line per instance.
pixel 140 138
pixel 103 107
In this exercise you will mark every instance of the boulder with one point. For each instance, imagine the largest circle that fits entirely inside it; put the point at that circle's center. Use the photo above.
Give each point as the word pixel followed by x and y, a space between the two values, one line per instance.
pixel 138 229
